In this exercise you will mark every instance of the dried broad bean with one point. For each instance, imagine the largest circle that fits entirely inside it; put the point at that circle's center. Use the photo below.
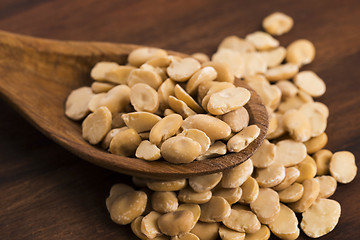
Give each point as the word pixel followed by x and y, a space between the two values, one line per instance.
pixel 321 218
pixel 96 125
pixel 76 106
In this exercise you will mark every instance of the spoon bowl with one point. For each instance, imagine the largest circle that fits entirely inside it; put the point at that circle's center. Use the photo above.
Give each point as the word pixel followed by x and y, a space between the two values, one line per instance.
pixel 37 75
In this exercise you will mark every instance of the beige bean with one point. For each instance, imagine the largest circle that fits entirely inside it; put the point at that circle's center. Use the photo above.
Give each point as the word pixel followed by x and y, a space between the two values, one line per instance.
pixel 228 100
pixel 215 210
pixel 180 149
pixel 298 125
pixel 270 94
pixel 116 99
pixel 168 111
pixel 315 144
pixel 264 155
pixel 237 119
pixel 141 55
pixel 95 101
pixel 317 117
pixel 286 225
pixel 236 176
pixel 287 88
pixel 322 159
pixel 110 135
pixel 310 194
pixel 307 168
pixel 274 57
pixel 165 90
pixel 117 121
pixel 236 44
pixel 343 167
pixel 161 71
pixel 175 223
pixel 205 74
pixel 250 191
pixel 292 193
pixel 214 128
pixel 99 87
pixel 187 195
pixel 271 175
pixel 231 195
pixel 98 72
pixel 228 234
pixel 291 174
pixel 262 234
pixel 305 96
pixel 96 125
pixel 203 89
pixel 280 129
pixel 164 202
pixel 125 208
pixel 216 149
pixel 266 206
pixel 161 62
pixel 256 78
pixel 216 87
pixel 281 72
pixel 125 143
pixel 262 40
pixel 277 23
pixel 234 60
pixel 166 185
pixel 254 64
pixel 321 218
pixel 180 107
pixel 148 151
pixel 194 208
pixel 145 77
pixel 119 74
pixel 182 95
pixel 273 122
pixel 315 107
pixel 117 190
pixel 242 139
pixel 165 128
pixel 149 225
pixel 201 57
pixel 241 219
pixel 290 152
pixel 292 102
pixel 205 183
pixel 185 236
pixel 140 121
pixel 136 229
pixel 198 136
pixel 182 70
pixel 76 106
pixel 310 83
pixel 144 98
pixel 328 186
pixel 224 73
pixel 300 52
pixel 206 231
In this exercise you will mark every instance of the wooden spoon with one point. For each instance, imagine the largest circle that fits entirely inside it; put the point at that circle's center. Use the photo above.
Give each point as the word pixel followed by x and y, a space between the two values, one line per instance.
pixel 37 75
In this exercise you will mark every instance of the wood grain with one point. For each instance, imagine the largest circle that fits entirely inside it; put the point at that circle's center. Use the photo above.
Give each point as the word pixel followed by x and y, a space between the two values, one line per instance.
pixel 48 193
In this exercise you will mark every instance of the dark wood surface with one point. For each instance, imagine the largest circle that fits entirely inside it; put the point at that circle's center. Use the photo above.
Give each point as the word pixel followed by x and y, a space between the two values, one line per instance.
pixel 48 193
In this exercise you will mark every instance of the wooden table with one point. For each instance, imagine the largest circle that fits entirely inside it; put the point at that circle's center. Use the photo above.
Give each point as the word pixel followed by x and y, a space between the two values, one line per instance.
pixel 48 193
